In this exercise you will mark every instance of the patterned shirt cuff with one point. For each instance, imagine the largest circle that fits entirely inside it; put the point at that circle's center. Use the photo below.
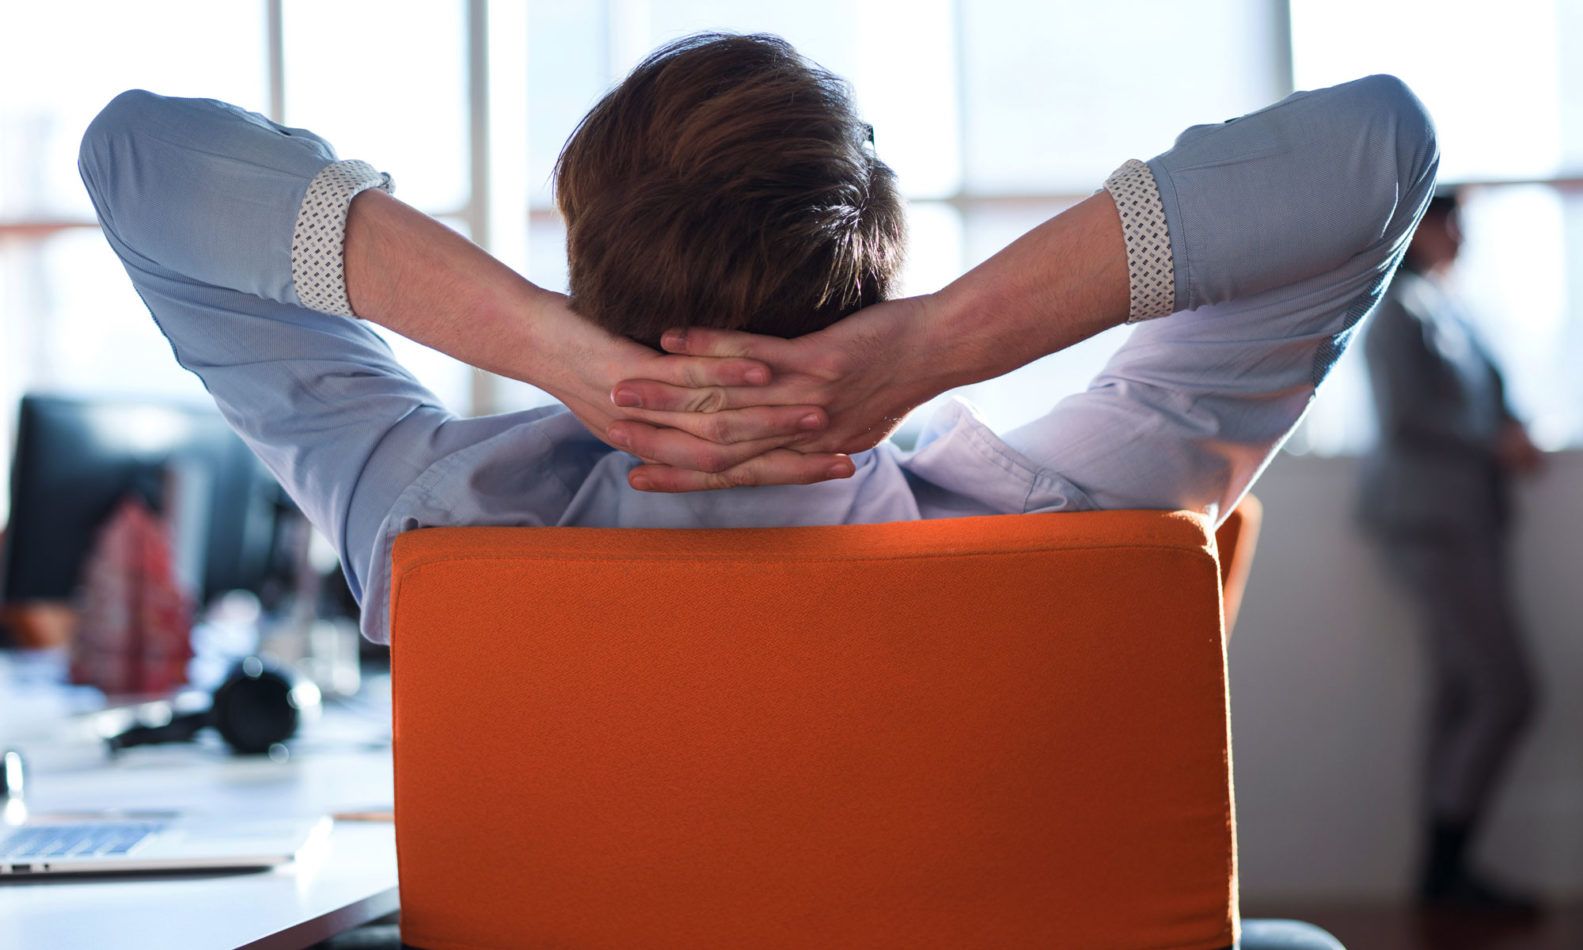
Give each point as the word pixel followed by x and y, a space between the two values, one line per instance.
pixel 318 264
pixel 1151 269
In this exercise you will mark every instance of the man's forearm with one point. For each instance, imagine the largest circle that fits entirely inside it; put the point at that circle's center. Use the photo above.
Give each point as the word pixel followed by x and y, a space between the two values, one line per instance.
pixel 1069 278
pixel 412 274
pixel 1060 283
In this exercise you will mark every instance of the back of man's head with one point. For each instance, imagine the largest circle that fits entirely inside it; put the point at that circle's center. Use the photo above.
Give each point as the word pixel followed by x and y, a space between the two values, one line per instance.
pixel 727 182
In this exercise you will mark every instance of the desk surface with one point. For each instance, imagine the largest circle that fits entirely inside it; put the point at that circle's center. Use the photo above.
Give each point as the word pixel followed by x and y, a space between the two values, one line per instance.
pixel 339 766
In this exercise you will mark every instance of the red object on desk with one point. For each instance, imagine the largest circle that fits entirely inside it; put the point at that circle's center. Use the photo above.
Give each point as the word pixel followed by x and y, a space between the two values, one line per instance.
pixel 135 632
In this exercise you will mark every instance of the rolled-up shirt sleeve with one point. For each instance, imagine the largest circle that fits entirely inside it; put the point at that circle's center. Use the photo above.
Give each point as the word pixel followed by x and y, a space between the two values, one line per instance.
pixel 1151 265
pixel 231 229
pixel 318 240
pixel 1284 227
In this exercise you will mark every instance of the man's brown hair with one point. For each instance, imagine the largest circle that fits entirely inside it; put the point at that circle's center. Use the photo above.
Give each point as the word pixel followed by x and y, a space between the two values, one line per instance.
pixel 727 182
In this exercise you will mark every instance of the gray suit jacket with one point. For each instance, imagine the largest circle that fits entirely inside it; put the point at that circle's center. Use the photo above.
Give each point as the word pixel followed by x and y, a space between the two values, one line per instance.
pixel 1441 404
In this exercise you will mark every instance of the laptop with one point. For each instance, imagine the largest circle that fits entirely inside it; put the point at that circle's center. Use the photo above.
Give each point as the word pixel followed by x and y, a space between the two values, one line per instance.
pixel 84 844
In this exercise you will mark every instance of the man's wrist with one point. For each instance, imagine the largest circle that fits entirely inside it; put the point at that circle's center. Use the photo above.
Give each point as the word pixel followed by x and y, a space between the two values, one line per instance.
pixel 954 349
pixel 549 337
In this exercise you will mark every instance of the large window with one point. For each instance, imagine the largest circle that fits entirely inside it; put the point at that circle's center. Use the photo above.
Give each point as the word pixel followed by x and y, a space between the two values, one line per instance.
pixel 68 317
pixel 994 113
pixel 1506 92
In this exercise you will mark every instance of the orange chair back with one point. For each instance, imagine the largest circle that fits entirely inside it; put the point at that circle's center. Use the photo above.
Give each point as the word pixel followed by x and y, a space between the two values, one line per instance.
pixel 981 732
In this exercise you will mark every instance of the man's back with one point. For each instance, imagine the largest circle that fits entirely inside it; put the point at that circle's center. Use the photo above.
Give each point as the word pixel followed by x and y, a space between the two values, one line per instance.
pixel 543 468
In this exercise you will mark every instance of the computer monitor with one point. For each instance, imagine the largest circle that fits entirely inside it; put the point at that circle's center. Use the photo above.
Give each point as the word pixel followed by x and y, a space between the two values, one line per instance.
pixel 76 459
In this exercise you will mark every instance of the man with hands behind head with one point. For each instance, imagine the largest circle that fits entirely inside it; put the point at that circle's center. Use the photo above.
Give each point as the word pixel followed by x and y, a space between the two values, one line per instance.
pixel 725 202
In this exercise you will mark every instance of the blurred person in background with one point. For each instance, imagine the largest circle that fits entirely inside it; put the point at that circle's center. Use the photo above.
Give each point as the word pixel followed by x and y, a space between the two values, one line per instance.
pixel 1435 494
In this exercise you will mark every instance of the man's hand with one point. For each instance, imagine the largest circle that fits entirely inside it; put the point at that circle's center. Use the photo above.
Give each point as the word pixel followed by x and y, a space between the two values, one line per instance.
pixel 580 364
pixel 865 373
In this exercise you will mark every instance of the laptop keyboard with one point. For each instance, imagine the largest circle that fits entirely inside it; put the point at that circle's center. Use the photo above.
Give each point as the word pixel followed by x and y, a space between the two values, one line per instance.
pixel 90 839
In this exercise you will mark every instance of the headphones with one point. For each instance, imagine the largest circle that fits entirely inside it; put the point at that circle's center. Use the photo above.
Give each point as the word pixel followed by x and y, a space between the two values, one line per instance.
pixel 258 707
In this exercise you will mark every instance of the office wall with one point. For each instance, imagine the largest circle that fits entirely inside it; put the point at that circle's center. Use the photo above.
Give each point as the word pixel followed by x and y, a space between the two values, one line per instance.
pixel 1327 676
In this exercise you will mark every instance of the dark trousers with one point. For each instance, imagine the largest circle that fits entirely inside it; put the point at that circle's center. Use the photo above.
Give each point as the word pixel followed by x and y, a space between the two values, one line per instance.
pixel 1482 691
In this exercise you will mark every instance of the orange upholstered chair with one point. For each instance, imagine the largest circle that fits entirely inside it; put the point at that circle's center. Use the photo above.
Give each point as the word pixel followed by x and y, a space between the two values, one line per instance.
pixel 981 732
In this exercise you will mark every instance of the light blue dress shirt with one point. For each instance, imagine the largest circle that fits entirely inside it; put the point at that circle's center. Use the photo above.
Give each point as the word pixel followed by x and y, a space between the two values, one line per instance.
pixel 1284 227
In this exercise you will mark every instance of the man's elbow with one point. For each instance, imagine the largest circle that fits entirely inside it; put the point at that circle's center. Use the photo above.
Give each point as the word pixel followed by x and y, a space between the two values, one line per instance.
pixel 106 142
pixel 115 175
pixel 1410 127
pixel 1385 136
pixel 115 124
pixel 1407 143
